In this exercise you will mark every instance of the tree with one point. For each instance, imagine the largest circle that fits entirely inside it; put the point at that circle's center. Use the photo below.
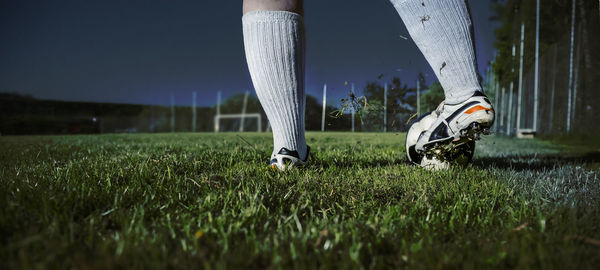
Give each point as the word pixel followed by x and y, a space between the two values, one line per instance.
pixel 431 99
pixel 401 103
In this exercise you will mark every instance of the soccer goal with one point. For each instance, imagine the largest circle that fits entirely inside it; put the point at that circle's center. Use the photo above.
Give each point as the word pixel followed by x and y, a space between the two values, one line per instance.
pixel 242 117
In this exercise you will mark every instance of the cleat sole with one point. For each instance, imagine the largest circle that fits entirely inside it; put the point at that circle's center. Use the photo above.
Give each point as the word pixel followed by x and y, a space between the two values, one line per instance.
pixel 443 149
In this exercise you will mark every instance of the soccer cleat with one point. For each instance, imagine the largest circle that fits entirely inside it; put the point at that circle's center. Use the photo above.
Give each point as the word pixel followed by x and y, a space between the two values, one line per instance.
pixel 455 153
pixel 286 159
pixel 457 123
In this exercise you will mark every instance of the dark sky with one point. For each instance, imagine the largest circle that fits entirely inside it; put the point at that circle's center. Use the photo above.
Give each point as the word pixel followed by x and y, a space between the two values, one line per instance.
pixel 143 51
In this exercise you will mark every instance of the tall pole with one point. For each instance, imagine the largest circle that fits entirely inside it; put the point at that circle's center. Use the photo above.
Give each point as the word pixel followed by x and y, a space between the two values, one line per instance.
pixel 385 91
pixel 172 113
pixel 194 115
pixel 353 108
pixel 571 68
pixel 536 85
pixel 324 107
pixel 520 91
pixel 418 97
pixel 244 105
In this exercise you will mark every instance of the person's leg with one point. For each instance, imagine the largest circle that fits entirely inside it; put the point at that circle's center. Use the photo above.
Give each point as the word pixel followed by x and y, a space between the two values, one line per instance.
pixel 442 30
pixel 273 5
pixel 274 43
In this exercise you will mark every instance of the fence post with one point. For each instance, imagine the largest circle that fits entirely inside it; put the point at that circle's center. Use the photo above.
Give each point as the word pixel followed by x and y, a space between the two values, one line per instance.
pixel 496 101
pixel 498 97
pixel 510 98
pixel 509 109
pixel 536 86
pixel 504 109
pixel 520 91
pixel 576 78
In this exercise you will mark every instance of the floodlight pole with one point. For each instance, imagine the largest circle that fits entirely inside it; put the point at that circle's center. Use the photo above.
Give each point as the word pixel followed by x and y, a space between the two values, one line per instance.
pixel 172 113
pixel 245 104
pixel 385 94
pixel 324 107
pixel 571 68
pixel 352 108
pixel 194 115
pixel 536 86
pixel 520 91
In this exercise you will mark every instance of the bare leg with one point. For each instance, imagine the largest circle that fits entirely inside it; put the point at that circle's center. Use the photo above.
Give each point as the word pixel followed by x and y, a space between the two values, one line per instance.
pixel 282 5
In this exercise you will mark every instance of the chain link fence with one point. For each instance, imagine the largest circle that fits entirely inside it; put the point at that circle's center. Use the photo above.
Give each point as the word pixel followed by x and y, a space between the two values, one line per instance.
pixel 568 74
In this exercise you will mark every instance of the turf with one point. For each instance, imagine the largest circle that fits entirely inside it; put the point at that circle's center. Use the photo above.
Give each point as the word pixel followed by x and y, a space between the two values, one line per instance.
pixel 209 201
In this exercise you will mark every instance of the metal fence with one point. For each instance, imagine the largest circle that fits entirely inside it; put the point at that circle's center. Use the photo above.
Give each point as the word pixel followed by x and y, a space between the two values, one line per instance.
pixel 559 96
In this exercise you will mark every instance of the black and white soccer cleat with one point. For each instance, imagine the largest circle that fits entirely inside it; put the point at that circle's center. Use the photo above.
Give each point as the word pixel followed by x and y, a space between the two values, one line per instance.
pixel 458 123
pixel 455 153
pixel 287 159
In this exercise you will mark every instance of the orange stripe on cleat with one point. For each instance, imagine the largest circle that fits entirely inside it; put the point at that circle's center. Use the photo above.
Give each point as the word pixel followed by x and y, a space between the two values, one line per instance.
pixel 477 108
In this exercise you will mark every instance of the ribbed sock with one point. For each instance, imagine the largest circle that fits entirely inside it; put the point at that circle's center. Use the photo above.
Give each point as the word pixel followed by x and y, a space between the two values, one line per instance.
pixel 274 44
pixel 442 31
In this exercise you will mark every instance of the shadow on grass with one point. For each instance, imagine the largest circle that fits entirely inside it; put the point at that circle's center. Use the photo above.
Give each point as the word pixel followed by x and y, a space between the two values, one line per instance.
pixel 358 163
pixel 538 162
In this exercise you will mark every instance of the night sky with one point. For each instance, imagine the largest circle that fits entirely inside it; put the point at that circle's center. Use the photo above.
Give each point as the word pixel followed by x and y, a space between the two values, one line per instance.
pixel 143 51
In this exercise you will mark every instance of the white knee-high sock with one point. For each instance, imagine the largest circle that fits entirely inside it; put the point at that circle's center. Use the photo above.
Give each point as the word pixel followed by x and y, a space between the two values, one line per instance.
pixel 274 44
pixel 442 31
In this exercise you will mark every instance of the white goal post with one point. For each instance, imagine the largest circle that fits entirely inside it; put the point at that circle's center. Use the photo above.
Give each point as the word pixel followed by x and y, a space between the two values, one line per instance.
pixel 218 118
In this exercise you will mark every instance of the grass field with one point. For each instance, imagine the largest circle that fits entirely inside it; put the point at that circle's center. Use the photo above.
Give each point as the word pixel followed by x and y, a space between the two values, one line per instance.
pixel 209 201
